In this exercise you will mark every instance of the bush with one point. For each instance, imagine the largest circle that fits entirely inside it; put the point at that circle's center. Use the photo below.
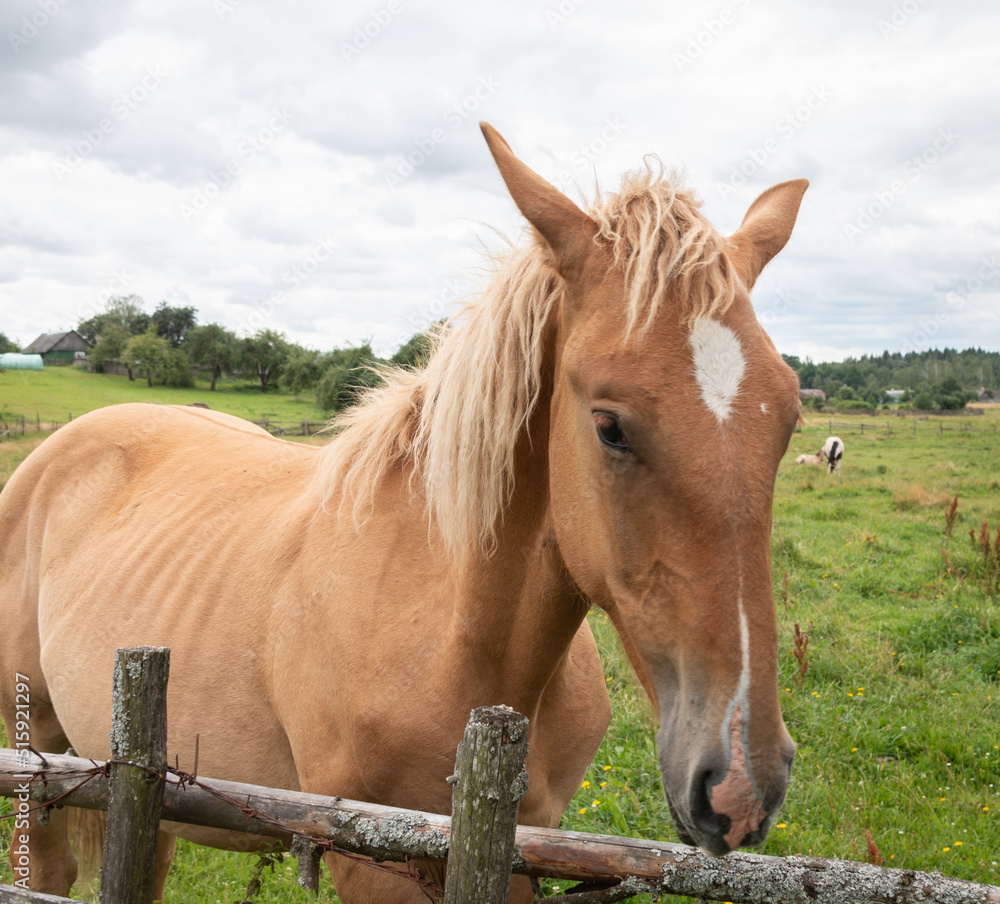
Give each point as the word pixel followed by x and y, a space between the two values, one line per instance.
pixel 348 372
pixel 177 369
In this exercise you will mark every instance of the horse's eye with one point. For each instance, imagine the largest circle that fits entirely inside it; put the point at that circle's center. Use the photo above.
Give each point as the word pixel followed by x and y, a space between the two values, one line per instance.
pixel 609 431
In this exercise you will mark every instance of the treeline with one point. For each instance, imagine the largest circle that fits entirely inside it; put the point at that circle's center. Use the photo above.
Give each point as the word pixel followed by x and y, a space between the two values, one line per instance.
pixel 163 346
pixel 930 379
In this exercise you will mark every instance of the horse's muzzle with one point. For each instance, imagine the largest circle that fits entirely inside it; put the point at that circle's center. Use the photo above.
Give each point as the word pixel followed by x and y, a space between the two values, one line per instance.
pixel 700 825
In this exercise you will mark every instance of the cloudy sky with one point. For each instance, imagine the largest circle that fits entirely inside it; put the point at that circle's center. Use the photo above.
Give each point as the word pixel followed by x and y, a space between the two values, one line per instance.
pixel 317 167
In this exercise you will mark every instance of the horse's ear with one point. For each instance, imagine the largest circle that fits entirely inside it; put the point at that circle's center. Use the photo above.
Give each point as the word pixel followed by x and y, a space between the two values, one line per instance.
pixel 567 230
pixel 766 228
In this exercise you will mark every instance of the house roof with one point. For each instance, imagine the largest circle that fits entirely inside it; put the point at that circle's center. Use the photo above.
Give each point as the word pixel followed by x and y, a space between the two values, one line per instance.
pixel 70 341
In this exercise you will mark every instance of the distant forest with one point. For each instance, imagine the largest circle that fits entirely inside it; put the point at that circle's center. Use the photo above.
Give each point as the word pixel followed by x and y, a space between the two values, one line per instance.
pixel 932 379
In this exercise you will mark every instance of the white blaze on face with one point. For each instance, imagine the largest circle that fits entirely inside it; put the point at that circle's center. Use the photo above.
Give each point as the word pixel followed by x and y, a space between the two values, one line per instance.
pixel 736 796
pixel 718 365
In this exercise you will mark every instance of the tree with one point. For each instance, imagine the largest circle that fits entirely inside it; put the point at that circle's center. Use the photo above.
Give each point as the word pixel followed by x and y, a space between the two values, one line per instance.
pixel 347 373
pixel 150 353
pixel 111 347
pixel 124 310
pixel 266 352
pixel 301 370
pixel 177 368
pixel 413 353
pixel 7 345
pixel 214 347
pixel 948 393
pixel 173 324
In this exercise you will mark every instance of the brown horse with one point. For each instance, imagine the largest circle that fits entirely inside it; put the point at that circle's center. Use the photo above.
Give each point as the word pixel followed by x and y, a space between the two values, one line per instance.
pixel 334 614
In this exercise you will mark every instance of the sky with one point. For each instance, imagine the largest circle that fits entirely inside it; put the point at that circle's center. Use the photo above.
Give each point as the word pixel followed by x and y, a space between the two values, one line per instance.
pixel 317 168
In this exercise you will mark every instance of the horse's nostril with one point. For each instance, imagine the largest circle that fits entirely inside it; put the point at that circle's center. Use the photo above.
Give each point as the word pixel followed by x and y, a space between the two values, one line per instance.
pixel 704 816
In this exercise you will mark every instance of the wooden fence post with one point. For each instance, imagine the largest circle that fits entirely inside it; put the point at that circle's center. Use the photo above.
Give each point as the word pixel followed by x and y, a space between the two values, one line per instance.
pixel 138 736
pixel 309 857
pixel 490 781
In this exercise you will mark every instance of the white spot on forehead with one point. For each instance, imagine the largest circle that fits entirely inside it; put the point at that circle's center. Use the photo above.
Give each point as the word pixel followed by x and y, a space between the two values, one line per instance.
pixel 763 407
pixel 718 365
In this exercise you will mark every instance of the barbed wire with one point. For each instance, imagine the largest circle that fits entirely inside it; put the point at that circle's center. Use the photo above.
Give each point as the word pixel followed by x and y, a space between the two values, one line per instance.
pixel 184 779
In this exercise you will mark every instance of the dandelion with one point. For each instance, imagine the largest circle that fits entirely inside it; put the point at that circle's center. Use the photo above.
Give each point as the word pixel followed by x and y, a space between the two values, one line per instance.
pixel 582 810
pixel 596 803
pixel 604 784
pixel 607 768
pixel 782 825
pixel 854 750
pixel 585 785
pixel 947 849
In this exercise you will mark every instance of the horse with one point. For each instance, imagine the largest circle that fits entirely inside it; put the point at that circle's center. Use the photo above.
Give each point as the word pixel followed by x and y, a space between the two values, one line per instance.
pixel 334 613
pixel 833 453
pixel 810 459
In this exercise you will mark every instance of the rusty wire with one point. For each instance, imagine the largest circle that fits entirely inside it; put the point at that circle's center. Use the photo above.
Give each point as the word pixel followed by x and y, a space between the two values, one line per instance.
pixel 103 769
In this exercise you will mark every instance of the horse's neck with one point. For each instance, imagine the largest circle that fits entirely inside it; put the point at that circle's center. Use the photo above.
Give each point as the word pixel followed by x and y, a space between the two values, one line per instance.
pixel 517 609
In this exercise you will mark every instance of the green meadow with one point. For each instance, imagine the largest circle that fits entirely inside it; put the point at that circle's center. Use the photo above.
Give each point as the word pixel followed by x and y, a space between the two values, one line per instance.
pixel 894 700
pixel 55 393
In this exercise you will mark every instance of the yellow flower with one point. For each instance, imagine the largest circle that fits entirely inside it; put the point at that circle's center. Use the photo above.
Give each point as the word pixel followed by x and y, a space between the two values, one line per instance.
pixel 607 768
pixel 782 825
pixel 604 784
pixel 958 844
pixel 854 750
pixel 947 849
pixel 583 810
pixel 596 803
pixel 585 785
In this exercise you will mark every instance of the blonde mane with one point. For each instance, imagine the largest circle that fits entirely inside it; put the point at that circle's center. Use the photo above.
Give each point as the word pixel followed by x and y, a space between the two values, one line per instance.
pixel 455 424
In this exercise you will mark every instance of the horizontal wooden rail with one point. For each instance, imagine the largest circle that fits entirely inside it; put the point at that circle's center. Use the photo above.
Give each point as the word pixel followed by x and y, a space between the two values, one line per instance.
pixel 388 833
pixel 10 894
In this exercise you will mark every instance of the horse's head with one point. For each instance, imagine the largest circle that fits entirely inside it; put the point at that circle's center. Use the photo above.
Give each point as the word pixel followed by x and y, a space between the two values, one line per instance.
pixel 670 412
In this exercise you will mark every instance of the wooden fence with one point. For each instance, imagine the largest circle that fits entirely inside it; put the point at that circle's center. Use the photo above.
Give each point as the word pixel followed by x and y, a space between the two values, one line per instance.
pixel 21 426
pixel 887 429
pixel 486 846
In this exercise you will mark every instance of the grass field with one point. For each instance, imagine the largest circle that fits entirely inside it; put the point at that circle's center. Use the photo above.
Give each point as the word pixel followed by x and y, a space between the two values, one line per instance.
pixel 898 715
pixel 57 392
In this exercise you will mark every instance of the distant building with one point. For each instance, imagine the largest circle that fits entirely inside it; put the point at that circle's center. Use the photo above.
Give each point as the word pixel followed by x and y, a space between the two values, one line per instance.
pixel 59 348
pixel 812 394
pixel 895 394
pixel 986 396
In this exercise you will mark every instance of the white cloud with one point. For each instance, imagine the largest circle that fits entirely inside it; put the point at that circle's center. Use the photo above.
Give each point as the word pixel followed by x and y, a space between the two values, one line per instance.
pixel 118 116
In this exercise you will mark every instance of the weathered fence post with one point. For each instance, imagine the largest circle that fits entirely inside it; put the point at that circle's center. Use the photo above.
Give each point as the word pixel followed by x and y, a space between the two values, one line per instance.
pixel 309 856
pixel 139 737
pixel 490 780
